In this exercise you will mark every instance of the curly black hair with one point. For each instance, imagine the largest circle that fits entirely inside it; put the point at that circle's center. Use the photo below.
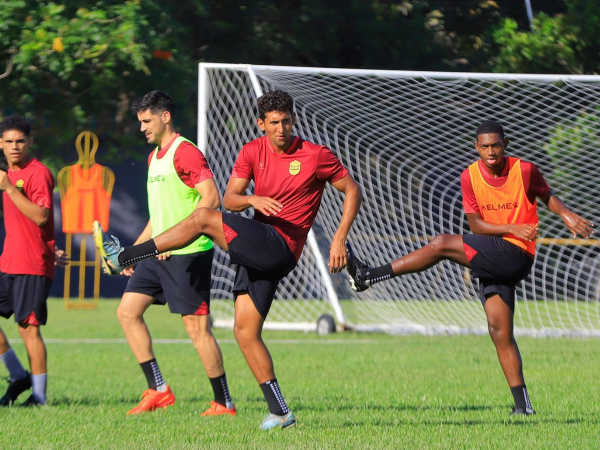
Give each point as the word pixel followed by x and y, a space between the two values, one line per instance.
pixel 15 122
pixel 275 101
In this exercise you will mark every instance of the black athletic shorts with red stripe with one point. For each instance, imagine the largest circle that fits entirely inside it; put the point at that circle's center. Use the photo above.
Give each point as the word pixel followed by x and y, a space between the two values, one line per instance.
pixel 499 266
pixel 262 257
pixel 181 281
pixel 25 296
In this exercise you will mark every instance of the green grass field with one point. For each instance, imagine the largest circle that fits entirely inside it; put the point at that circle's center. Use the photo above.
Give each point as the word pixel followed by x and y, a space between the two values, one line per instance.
pixel 346 390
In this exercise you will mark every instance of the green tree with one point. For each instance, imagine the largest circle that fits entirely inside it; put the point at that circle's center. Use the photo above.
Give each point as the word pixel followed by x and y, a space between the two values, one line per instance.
pixel 566 42
pixel 550 48
pixel 572 150
pixel 76 66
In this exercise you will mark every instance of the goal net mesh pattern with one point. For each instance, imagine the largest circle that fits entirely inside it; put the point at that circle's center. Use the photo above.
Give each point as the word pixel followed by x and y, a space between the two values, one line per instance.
pixel 406 140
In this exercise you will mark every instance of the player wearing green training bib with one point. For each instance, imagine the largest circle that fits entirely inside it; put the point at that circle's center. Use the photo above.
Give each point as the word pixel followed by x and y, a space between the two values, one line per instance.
pixel 179 181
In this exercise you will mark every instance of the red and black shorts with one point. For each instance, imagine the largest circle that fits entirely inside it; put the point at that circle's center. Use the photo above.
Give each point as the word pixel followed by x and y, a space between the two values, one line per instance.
pixel 262 257
pixel 181 281
pixel 25 296
pixel 499 266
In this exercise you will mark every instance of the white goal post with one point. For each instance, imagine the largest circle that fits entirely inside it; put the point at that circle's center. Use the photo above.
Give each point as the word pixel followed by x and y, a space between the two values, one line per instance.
pixel 406 137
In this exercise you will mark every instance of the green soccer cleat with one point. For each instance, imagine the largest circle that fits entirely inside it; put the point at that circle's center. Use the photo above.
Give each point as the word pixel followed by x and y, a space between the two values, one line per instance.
pixel 273 421
pixel 358 271
pixel 109 248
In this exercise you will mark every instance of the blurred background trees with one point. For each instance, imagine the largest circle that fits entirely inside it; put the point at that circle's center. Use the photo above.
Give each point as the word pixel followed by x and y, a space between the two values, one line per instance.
pixel 78 65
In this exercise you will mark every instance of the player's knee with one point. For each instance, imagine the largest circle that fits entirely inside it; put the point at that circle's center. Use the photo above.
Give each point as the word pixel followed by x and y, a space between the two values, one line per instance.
pixel 500 335
pixel 29 332
pixel 125 315
pixel 442 243
pixel 199 333
pixel 244 334
pixel 201 218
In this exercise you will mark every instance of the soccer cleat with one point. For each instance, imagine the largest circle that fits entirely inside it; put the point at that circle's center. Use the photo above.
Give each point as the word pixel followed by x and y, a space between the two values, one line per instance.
pixel 15 388
pixel 520 411
pixel 273 421
pixel 217 409
pixel 32 401
pixel 358 270
pixel 109 248
pixel 153 400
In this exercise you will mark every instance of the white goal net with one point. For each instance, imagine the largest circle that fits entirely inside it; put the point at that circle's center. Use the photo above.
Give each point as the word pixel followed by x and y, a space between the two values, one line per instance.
pixel 406 137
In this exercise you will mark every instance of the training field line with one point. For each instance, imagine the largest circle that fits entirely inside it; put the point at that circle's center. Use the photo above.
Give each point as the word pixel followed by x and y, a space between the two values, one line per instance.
pixel 221 341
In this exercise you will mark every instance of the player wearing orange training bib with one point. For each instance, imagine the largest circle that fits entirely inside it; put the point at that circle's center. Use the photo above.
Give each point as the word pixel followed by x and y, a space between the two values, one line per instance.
pixel 500 200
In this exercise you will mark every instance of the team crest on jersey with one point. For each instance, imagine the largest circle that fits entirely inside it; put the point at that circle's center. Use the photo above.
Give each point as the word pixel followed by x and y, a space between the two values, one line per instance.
pixel 295 167
pixel 19 184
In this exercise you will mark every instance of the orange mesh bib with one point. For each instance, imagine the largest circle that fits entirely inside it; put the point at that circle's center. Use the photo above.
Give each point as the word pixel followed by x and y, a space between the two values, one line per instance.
pixel 507 204
pixel 85 200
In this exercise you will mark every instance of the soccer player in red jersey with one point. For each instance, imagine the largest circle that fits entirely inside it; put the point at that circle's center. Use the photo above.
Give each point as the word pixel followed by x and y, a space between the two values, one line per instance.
pixel 27 264
pixel 179 180
pixel 289 176
pixel 499 198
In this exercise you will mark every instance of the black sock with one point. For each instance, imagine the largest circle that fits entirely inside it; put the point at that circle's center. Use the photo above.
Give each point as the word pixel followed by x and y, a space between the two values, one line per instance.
pixel 521 397
pixel 153 375
pixel 131 255
pixel 274 398
pixel 221 390
pixel 381 273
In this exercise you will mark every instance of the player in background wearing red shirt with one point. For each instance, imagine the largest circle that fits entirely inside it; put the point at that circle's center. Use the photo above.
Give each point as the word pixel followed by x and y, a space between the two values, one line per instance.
pixel 499 198
pixel 27 263
pixel 179 180
pixel 290 175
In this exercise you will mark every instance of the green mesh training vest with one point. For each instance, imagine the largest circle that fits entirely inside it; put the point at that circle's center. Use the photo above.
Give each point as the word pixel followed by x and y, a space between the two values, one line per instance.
pixel 170 200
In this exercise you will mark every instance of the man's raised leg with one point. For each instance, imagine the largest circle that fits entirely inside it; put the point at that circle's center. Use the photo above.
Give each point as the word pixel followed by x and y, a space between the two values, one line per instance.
pixel 203 221
pixel 248 329
pixel 500 325
pixel 442 247
pixel 131 315
pixel 199 330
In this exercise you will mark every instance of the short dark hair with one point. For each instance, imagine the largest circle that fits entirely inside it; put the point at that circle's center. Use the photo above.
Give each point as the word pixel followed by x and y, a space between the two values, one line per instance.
pixel 489 127
pixel 275 101
pixel 156 101
pixel 15 122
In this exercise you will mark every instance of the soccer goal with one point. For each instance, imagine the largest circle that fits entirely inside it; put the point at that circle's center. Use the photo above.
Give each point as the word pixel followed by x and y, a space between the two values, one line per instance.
pixel 406 137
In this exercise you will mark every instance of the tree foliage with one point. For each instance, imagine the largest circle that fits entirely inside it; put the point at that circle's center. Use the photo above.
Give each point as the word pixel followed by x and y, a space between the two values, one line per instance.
pixel 78 65
pixel 551 48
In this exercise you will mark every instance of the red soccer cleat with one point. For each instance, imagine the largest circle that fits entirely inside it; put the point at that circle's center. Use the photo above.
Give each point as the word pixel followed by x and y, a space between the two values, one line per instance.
pixel 216 409
pixel 153 400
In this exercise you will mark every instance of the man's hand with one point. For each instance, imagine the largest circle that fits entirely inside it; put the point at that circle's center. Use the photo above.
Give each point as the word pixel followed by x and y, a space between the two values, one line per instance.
pixel 61 259
pixel 524 231
pixel 338 258
pixel 127 271
pixel 577 224
pixel 4 181
pixel 266 205
pixel 163 256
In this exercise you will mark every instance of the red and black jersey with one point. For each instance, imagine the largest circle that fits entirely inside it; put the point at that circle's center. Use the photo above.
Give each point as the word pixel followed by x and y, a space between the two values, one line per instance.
pixel 295 178
pixel 28 248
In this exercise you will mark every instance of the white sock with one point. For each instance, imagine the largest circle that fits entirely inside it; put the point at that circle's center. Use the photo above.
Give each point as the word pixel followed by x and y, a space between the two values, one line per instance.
pixel 14 366
pixel 39 383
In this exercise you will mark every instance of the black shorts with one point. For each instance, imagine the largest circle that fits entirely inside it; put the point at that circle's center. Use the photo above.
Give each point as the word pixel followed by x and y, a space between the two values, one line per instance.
pixel 262 257
pixel 22 295
pixel 498 264
pixel 181 281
